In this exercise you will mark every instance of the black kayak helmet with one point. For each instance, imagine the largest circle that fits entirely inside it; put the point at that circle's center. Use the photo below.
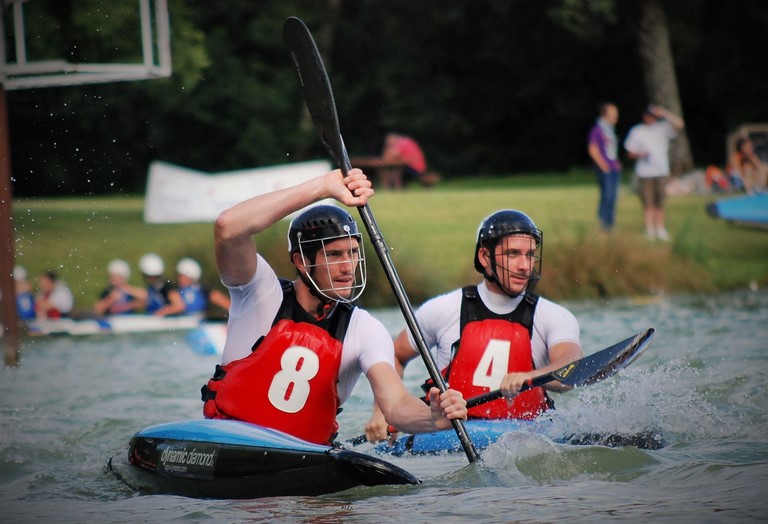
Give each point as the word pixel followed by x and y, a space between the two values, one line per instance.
pixel 311 230
pixel 501 224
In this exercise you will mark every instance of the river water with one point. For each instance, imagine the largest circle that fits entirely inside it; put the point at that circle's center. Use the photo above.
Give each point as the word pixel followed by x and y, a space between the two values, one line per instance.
pixel 75 401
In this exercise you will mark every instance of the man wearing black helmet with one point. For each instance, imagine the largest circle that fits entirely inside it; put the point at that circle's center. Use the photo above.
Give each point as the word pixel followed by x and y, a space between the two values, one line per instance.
pixel 295 349
pixel 499 333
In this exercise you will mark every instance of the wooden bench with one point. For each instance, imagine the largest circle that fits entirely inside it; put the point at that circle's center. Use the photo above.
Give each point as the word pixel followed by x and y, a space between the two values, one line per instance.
pixel 389 174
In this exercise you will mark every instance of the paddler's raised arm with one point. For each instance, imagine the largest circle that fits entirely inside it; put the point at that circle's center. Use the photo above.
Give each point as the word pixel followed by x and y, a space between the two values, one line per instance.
pixel 234 227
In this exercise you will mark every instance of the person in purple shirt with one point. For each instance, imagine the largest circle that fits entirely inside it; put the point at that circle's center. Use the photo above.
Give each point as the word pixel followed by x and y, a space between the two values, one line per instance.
pixel 603 147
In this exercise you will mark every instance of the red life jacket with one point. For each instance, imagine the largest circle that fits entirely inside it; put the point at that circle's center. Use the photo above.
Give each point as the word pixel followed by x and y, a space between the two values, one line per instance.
pixel 289 380
pixel 491 346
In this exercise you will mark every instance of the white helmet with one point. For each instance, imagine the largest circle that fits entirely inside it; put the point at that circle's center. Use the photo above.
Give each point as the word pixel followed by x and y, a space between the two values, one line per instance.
pixel 119 267
pixel 19 273
pixel 189 268
pixel 151 265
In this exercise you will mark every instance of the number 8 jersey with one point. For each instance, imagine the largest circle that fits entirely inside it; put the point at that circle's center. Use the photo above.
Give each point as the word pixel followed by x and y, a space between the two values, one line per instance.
pixel 289 380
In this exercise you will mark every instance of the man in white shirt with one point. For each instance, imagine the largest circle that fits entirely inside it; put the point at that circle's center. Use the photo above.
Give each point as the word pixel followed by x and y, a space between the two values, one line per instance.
pixel 648 144
pixel 295 349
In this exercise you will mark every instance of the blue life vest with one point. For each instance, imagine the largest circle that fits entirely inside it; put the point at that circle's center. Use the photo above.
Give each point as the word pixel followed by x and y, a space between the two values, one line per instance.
pixel 158 297
pixel 195 298
pixel 25 305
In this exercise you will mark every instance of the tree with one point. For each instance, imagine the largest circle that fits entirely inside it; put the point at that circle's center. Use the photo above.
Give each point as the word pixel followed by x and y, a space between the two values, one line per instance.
pixel 658 67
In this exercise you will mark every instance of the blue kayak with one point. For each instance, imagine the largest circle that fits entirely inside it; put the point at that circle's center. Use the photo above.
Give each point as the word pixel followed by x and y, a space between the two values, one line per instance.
pixel 748 210
pixel 483 433
pixel 236 460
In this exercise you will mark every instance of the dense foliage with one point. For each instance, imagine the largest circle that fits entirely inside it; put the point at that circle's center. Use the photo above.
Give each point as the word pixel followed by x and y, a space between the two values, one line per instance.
pixel 488 86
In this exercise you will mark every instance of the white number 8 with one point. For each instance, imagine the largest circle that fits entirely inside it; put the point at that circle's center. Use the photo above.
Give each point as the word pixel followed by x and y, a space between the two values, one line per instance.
pixel 289 390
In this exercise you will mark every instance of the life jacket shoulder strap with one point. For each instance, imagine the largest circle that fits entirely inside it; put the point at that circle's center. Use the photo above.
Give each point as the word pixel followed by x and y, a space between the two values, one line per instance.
pixel 473 309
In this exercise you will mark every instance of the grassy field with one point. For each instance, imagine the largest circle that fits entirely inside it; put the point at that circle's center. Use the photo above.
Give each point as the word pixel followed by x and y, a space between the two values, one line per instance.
pixel 431 236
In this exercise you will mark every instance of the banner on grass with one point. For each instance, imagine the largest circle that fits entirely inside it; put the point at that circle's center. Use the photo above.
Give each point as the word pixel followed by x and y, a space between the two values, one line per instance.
pixel 177 194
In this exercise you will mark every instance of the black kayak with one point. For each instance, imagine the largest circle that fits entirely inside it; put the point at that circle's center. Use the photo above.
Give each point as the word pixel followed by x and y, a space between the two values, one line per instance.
pixel 229 459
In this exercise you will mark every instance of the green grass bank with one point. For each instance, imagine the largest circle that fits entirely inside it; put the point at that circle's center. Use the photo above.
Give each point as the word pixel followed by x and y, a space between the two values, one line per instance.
pixel 431 236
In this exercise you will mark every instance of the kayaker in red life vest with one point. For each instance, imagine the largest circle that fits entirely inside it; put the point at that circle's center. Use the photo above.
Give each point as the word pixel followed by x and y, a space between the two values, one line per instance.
pixel 499 333
pixel 310 344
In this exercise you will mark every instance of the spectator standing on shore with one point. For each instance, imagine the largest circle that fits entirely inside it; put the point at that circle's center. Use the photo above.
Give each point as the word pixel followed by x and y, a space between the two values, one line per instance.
pixel 119 297
pixel 53 299
pixel 648 143
pixel 603 149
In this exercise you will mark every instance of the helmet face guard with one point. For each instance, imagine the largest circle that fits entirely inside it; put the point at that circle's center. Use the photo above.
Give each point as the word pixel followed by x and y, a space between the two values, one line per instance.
pixel 310 235
pixel 509 223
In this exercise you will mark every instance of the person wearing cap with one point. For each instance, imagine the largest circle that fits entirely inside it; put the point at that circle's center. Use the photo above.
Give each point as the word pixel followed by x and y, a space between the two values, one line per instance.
pixel 496 334
pixel 25 298
pixel 196 297
pixel 296 348
pixel 648 143
pixel 160 297
pixel 53 299
pixel 119 297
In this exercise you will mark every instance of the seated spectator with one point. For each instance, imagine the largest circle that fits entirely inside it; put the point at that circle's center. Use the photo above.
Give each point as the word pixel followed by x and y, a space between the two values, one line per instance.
pixel 745 166
pixel 196 297
pixel 717 181
pixel 402 149
pixel 161 297
pixel 25 298
pixel 119 297
pixel 53 299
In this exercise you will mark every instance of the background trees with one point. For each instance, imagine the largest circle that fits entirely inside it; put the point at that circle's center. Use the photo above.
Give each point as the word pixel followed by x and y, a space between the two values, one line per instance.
pixel 488 86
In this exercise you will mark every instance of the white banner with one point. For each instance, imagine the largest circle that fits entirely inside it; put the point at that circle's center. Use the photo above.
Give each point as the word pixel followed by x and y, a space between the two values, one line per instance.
pixel 176 194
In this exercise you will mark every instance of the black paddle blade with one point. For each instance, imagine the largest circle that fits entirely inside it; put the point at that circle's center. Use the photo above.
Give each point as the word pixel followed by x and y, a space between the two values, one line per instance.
pixel 588 370
pixel 316 88
pixel 605 363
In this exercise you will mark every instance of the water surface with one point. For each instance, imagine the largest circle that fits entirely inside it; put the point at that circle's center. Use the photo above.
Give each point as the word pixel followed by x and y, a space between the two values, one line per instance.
pixel 75 401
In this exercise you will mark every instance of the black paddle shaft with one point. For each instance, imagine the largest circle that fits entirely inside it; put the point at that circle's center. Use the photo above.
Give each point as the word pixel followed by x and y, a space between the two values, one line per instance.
pixel 318 95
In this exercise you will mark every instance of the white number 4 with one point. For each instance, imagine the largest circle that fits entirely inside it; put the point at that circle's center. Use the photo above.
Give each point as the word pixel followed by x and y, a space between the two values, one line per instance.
pixel 493 364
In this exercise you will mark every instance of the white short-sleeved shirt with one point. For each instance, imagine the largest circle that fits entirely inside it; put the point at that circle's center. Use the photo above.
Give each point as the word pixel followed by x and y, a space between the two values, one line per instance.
pixel 652 139
pixel 61 298
pixel 253 309
pixel 440 321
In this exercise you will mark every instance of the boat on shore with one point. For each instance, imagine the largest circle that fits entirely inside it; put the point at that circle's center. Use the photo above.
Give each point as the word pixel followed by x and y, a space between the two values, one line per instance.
pixel 746 210
pixel 230 459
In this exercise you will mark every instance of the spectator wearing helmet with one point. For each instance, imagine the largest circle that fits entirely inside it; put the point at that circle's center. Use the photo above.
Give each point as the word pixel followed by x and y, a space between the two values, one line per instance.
pixel 310 343
pixel 53 299
pixel 119 297
pixel 498 333
pixel 160 297
pixel 25 298
pixel 196 297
